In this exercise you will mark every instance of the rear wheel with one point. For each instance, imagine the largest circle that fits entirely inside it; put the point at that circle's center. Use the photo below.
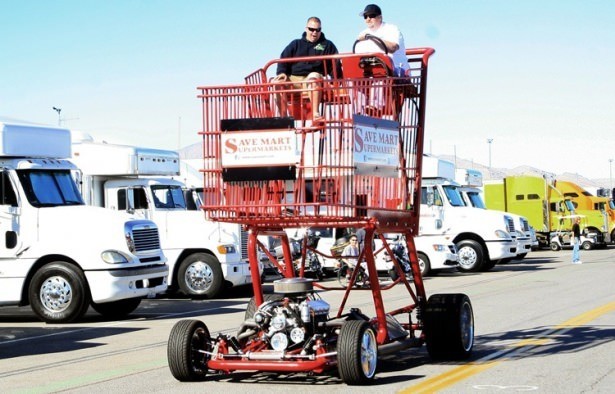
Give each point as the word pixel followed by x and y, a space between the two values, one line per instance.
pixel 357 353
pixel 186 340
pixel 58 293
pixel 555 246
pixel 117 309
pixel 200 274
pixel 471 255
pixel 587 245
pixel 449 326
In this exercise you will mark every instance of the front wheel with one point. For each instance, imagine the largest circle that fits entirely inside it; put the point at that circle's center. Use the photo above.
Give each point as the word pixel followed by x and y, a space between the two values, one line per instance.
pixel 200 274
pixel 59 293
pixel 357 353
pixel 471 255
pixel 587 245
pixel 186 341
pixel 117 309
pixel 424 264
pixel 449 326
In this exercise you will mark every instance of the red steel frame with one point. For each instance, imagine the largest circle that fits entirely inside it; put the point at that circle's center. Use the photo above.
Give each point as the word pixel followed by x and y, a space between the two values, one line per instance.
pixel 327 189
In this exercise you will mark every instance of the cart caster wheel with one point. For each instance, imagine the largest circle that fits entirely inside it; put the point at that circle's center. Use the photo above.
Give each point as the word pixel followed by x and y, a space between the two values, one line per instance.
pixel 185 361
pixel 449 327
pixel 357 353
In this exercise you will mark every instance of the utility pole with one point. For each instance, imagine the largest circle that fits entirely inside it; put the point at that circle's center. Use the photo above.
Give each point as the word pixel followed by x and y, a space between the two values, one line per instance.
pixel 58 110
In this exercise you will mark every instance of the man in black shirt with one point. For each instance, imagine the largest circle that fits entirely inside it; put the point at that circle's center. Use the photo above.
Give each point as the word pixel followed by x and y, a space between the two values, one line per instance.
pixel 305 74
pixel 576 234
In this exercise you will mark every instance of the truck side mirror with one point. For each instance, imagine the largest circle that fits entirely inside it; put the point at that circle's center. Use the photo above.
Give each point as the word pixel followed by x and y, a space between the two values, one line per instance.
pixel 430 196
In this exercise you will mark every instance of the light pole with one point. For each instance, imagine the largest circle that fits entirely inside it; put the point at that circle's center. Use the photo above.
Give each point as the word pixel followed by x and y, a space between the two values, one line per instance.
pixel 58 110
pixel 489 141
pixel 611 177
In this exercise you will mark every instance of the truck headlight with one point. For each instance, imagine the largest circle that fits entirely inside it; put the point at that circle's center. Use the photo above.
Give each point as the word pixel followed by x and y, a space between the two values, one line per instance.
pixel 227 249
pixel 439 248
pixel 113 257
pixel 501 234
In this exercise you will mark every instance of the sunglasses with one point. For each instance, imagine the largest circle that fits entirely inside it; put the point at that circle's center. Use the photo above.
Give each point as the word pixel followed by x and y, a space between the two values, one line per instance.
pixel 314 29
pixel 371 16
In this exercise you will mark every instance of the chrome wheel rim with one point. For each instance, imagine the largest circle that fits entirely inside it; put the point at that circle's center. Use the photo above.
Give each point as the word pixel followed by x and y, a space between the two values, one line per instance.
pixel 369 353
pixel 199 277
pixel 56 294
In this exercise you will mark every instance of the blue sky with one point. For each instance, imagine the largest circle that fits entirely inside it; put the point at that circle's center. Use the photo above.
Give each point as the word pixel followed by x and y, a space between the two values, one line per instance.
pixel 536 76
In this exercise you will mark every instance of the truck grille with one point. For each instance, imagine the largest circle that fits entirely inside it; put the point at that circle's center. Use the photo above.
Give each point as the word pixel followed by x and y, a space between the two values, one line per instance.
pixel 146 239
pixel 510 224
pixel 244 242
pixel 525 226
pixel 143 235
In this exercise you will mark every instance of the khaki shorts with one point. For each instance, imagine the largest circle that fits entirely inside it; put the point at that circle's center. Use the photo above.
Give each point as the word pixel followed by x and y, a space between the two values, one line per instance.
pixel 302 81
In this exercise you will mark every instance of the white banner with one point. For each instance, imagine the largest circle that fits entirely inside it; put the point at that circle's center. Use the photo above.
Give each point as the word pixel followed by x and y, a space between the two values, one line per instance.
pixel 259 148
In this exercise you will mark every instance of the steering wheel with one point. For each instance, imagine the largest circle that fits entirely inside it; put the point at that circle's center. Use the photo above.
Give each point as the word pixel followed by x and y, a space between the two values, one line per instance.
pixel 377 40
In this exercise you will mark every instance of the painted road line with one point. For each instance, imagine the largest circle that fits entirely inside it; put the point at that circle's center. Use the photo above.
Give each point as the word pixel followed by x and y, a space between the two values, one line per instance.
pixel 460 373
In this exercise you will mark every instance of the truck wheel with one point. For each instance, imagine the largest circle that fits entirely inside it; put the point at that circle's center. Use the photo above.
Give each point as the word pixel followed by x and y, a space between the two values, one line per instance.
pixel 186 340
pixel 449 326
pixel 117 309
pixel 555 246
pixel 470 256
pixel 357 353
pixel 587 245
pixel 59 293
pixel 200 274
pixel 424 264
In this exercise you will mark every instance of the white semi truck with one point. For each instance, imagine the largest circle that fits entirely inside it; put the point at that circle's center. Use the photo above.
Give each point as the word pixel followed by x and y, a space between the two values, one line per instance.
pixel 471 182
pixel 482 237
pixel 58 255
pixel 203 256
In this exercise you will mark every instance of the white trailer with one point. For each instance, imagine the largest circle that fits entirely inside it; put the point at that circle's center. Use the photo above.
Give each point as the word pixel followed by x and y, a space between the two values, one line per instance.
pixel 471 182
pixel 482 237
pixel 202 255
pixel 58 255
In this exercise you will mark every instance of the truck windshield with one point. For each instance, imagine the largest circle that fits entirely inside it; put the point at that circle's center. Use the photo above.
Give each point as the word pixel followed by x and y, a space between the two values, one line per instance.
pixel 476 201
pixel 453 196
pixel 49 188
pixel 167 196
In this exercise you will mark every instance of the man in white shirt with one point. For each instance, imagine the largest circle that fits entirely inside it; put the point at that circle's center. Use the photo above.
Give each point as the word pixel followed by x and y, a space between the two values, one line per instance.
pixel 389 34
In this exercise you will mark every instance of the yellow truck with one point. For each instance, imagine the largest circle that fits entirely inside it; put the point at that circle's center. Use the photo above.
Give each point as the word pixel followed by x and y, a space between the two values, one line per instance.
pixel 583 199
pixel 547 209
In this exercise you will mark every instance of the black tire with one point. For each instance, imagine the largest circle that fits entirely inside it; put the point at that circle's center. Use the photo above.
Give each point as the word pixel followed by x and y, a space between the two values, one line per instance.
pixel 59 293
pixel 424 264
pixel 186 363
pixel 251 308
pixel 357 353
pixel 489 264
pixel 471 256
pixel 587 245
pixel 200 275
pixel 555 246
pixel 117 309
pixel 449 327
pixel 521 256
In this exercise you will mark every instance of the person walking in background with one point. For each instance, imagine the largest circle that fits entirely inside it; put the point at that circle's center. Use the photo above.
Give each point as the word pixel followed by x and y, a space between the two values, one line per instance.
pixel 576 241
pixel 305 74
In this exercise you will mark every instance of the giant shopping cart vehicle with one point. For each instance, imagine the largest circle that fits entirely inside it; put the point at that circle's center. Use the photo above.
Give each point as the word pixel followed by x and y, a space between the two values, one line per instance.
pixel 357 166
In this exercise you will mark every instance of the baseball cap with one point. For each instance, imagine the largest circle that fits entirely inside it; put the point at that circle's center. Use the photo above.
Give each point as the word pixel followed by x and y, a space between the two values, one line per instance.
pixel 371 9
